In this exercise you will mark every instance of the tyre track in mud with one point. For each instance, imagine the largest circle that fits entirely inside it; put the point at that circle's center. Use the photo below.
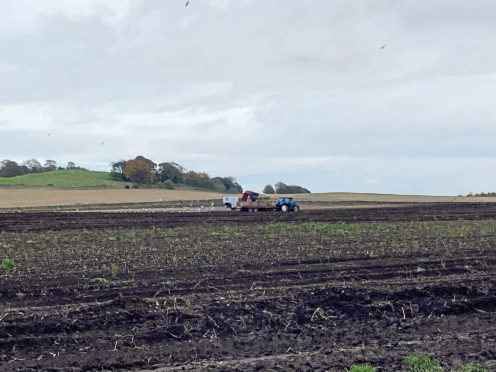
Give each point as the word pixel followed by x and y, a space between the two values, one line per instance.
pixel 289 315
pixel 286 275
pixel 294 296
pixel 292 314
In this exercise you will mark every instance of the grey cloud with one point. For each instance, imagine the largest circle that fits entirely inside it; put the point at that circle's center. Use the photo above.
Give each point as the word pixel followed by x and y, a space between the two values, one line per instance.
pixel 311 75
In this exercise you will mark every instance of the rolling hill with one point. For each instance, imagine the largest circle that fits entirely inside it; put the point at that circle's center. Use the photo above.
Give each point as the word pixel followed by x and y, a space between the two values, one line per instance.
pixel 70 178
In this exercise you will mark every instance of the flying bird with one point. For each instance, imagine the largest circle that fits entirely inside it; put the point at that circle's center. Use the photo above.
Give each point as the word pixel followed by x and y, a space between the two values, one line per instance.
pixel 382 47
pixel 187 3
pixel 101 144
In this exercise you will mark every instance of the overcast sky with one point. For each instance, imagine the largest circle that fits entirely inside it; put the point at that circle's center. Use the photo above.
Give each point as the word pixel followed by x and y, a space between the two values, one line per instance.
pixel 389 96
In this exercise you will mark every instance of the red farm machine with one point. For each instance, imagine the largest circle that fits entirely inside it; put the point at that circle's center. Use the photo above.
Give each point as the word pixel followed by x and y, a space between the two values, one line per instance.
pixel 252 202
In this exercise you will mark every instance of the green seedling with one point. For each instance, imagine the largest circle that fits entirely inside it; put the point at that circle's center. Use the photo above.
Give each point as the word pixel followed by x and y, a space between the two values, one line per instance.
pixel 114 271
pixel 379 229
pixel 484 230
pixel 361 368
pixel 226 231
pixel 420 269
pixel 128 237
pixel 276 229
pixel 9 264
pixel 339 228
pixel 472 368
pixel 421 363
pixel 98 280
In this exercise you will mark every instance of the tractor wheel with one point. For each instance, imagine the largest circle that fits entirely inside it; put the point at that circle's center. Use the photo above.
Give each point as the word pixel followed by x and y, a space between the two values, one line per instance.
pixel 233 208
pixel 284 207
pixel 296 208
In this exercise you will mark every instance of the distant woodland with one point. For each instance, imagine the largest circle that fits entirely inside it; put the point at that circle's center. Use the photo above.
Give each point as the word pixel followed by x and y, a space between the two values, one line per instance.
pixel 169 175
pixel 142 171
pixel 10 168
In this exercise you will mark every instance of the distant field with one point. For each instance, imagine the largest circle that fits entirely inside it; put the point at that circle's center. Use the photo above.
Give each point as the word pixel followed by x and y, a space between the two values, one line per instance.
pixel 39 197
pixel 386 198
pixel 72 178
pixel 42 197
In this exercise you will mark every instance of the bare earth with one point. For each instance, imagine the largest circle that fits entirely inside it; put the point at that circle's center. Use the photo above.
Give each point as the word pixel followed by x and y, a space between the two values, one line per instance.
pixel 41 197
pixel 317 290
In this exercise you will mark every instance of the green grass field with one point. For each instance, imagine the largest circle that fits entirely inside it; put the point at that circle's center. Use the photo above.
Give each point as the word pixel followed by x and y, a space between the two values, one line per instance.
pixel 72 178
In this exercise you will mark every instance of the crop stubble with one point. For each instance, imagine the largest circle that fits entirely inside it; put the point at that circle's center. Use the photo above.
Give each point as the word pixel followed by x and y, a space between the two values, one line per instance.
pixel 315 290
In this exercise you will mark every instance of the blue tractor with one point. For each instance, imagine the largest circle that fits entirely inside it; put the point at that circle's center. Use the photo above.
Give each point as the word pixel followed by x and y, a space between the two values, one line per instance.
pixel 286 203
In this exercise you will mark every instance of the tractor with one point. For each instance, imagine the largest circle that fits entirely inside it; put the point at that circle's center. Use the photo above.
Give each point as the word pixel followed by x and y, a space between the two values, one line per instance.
pixel 286 203
pixel 250 202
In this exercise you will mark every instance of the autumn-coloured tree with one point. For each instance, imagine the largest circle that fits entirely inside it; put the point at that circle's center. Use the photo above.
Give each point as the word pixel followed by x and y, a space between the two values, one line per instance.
pixel 138 171
pixel 150 163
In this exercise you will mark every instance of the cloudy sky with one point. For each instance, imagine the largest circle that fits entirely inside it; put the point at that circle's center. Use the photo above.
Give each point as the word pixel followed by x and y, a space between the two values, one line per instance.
pixel 389 96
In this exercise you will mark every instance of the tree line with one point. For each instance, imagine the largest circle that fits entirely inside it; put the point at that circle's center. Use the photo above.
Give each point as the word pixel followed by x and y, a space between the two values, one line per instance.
pixel 10 168
pixel 169 175
pixel 282 188
pixel 141 171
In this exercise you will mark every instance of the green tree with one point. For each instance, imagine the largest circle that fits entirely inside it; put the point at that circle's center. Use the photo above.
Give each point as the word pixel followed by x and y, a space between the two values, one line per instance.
pixel 167 184
pixel 229 183
pixel 170 171
pixel 50 165
pixel 10 168
pixel 269 189
pixel 117 172
pixel 33 166
pixel 217 185
pixel 282 188
pixel 198 179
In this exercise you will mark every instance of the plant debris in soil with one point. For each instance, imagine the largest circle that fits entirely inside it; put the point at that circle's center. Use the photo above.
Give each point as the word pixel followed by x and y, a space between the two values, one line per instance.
pixel 316 290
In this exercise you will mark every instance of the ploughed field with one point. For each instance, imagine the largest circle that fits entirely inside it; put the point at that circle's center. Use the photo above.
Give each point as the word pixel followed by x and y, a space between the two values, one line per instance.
pixel 316 290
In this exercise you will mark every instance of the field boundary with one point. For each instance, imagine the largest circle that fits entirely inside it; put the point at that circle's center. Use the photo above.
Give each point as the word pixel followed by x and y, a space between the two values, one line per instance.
pixel 22 198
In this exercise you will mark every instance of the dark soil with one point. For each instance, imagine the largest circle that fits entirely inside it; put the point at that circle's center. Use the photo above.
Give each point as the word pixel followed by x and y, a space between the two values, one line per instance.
pixel 39 221
pixel 317 290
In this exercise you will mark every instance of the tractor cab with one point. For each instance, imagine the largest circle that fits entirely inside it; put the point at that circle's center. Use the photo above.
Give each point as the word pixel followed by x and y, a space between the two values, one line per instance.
pixel 286 203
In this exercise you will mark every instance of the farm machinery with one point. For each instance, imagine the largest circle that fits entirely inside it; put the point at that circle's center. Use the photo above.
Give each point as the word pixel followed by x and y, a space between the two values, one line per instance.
pixel 252 202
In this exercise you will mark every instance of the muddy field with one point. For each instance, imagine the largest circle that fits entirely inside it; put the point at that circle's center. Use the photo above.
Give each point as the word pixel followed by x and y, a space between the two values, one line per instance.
pixel 316 290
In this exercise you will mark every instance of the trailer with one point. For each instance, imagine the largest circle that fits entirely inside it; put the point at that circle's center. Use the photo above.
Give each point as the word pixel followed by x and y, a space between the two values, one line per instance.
pixel 262 204
pixel 251 202
pixel 230 202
